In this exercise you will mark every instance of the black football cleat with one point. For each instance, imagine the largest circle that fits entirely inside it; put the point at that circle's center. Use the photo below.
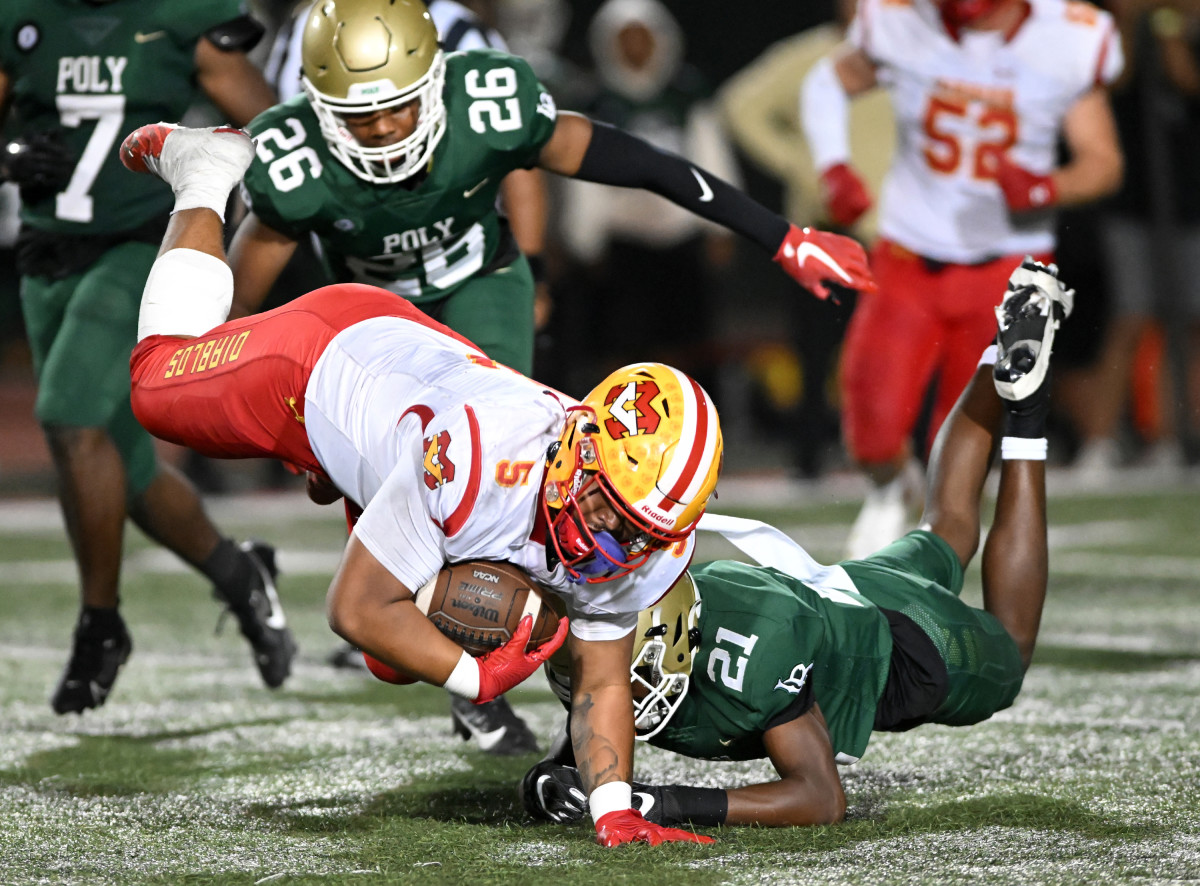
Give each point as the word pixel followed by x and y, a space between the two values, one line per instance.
pixel 1034 305
pixel 261 617
pixel 97 654
pixel 494 725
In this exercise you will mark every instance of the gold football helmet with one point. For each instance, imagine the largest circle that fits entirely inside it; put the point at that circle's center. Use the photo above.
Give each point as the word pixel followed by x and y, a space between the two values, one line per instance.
pixel 648 439
pixel 666 635
pixel 363 56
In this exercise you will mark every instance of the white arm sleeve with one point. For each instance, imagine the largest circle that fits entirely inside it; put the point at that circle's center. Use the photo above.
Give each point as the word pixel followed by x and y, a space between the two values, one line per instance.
pixel 187 293
pixel 825 115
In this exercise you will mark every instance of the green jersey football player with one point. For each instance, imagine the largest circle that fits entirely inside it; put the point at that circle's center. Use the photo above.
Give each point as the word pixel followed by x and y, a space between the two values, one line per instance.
pixel 394 158
pixel 800 664
pixel 77 75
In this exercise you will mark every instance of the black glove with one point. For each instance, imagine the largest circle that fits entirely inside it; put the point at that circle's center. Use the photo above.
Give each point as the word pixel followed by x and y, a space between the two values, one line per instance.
pixel 552 792
pixel 39 163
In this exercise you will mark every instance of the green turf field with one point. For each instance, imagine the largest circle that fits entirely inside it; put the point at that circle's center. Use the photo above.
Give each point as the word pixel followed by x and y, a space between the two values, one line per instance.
pixel 193 773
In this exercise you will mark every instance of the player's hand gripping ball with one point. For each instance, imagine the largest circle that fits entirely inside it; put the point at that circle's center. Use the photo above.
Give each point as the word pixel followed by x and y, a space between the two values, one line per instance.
pixel 479 604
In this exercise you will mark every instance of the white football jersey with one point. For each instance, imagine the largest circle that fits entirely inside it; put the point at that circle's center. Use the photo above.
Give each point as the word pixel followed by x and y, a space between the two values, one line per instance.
pixel 445 451
pixel 960 102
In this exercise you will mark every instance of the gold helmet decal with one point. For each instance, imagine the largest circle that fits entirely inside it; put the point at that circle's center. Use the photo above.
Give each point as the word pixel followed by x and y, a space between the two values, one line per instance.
pixel 364 56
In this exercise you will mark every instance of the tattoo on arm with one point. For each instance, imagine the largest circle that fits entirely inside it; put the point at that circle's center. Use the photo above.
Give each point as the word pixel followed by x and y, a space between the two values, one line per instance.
pixel 597 759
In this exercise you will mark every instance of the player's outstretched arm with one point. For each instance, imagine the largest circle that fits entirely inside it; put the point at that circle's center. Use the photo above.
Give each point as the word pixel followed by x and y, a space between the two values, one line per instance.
pixel 596 152
pixel 808 792
pixel 809 789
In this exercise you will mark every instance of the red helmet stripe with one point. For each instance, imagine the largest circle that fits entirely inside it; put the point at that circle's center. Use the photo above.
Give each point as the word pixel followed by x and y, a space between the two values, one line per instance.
pixel 699 441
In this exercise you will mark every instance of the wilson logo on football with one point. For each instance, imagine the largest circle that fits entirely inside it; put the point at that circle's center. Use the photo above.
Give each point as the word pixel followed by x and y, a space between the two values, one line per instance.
pixel 439 470
pixel 630 410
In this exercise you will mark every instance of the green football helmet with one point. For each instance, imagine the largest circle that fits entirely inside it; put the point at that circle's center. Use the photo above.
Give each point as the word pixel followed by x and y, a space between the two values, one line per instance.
pixel 665 638
pixel 362 56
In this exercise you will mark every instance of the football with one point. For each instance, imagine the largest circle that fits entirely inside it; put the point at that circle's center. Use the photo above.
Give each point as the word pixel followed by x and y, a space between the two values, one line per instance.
pixel 479 603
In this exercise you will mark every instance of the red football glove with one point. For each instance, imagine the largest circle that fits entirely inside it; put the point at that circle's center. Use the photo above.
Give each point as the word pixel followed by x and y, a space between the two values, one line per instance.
pixel 502 669
pixel 811 256
pixel 628 826
pixel 844 195
pixel 1023 189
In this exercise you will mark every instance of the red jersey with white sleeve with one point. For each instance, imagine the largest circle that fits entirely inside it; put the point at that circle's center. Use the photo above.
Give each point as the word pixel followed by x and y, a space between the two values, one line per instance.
pixel 963 99
pixel 446 450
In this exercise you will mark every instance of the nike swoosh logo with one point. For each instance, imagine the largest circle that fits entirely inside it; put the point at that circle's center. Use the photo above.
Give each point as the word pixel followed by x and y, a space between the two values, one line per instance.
pixel 473 191
pixel 276 621
pixel 142 37
pixel 811 250
pixel 706 193
pixel 489 739
pixel 646 805
pixel 726 742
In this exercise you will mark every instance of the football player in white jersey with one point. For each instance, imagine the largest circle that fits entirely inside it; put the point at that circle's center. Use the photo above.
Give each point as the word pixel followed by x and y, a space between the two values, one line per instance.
pixel 450 455
pixel 982 92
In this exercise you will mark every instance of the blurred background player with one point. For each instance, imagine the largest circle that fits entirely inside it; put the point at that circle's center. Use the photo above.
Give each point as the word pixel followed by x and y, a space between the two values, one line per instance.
pixel 800 663
pixel 971 191
pixel 77 76
pixel 759 106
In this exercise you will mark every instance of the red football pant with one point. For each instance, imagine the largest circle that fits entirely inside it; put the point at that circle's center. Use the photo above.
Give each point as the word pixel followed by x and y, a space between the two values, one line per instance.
pixel 922 321
pixel 238 390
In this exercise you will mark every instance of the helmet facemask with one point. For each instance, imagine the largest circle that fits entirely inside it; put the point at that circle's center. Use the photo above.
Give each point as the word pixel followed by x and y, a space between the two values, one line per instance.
pixel 386 164
pixel 592 555
pixel 667 634
pixel 363 57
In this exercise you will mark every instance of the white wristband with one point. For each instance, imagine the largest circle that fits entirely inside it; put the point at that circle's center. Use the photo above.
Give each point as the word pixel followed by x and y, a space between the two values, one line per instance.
pixel 611 797
pixel 464 679
pixel 1023 448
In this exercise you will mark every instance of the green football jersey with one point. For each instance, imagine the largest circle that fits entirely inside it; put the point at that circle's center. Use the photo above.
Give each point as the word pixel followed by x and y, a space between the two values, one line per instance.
pixel 98 73
pixel 770 646
pixel 418 240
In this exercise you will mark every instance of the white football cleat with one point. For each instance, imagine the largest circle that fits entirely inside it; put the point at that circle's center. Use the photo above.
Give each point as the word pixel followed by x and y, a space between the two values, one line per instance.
pixel 1033 307
pixel 202 166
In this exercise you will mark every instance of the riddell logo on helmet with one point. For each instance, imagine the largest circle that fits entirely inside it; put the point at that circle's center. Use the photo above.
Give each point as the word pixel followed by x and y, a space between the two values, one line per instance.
pixel 656 517
pixel 630 410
